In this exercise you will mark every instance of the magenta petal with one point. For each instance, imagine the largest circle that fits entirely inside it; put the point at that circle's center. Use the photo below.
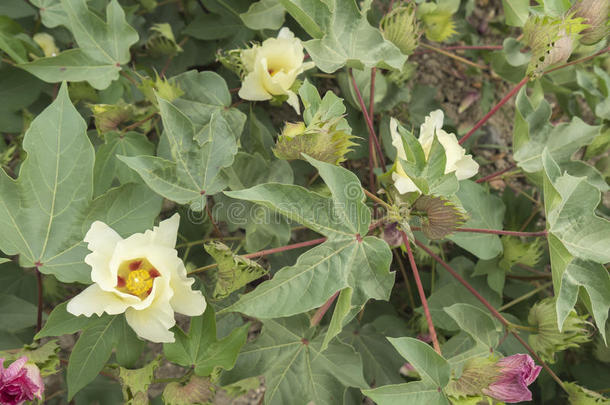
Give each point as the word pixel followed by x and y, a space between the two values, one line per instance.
pixel 20 382
pixel 517 372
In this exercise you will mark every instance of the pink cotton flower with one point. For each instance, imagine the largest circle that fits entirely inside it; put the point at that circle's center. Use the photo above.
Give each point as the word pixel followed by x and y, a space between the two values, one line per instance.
pixel 516 373
pixel 19 382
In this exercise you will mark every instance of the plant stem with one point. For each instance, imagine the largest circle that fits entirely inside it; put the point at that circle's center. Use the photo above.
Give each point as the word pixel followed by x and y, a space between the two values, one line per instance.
pixel 525 296
pixel 491 309
pixel 466 48
pixel 499 232
pixel 376 199
pixel 317 317
pixel 574 62
pixel 209 212
pixel 204 240
pixel 422 294
pixel 372 94
pixel 368 120
pixel 405 277
pixel 494 175
pixel 453 56
pixel 40 303
pixel 494 109
pixel 137 124
pixel 266 252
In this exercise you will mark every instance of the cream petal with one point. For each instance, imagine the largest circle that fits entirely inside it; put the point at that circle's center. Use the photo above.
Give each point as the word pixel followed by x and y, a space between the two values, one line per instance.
pixel 404 184
pixel 397 139
pixel 101 238
pixel 432 123
pixel 293 101
pixel 94 300
pixel 153 322
pixel 285 33
pixel 453 151
pixel 185 300
pixel 466 168
pixel 166 233
pixel 252 88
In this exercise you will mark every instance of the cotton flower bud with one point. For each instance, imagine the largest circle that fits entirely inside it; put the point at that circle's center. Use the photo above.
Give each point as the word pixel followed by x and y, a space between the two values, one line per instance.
pixel 595 14
pixel 47 43
pixel 328 141
pixel 400 27
pixel 391 234
pixel 20 382
pixel 438 216
pixel 549 339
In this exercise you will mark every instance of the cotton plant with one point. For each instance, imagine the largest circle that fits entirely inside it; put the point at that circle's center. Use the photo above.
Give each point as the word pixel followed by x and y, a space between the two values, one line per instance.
pixel 168 238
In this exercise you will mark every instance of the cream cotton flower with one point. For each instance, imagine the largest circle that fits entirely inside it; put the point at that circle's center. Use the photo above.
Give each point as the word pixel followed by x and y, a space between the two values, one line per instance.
pixel 141 276
pixel 272 68
pixel 458 161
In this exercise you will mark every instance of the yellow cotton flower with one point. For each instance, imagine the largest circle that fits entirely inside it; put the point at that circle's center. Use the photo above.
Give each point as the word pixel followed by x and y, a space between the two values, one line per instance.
pixel 141 276
pixel 458 161
pixel 272 67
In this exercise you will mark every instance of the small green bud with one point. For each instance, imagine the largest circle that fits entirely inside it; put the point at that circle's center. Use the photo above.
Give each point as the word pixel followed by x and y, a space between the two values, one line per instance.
pixel 549 340
pixel 400 27
pixel 439 217
pixel 438 21
pixel 328 141
pixel 47 43
pixel 477 374
pixel 551 40
pixel 595 14
pixel 162 41
pixel 165 88
pixel 108 117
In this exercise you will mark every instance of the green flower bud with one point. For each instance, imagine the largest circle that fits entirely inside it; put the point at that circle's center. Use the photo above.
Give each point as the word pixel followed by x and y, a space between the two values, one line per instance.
pixel 551 40
pixel 162 41
pixel 477 374
pixel 328 141
pixel 47 43
pixel 400 27
pixel 108 117
pixel 439 217
pixel 438 21
pixel 549 340
pixel 595 14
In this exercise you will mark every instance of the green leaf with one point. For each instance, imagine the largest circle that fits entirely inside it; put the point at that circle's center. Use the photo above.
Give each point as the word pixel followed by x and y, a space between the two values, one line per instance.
pixel 561 140
pixel 16 281
pixel 234 271
pixel 131 347
pixel 212 26
pixel 17 314
pixel 206 95
pixel 343 36
pixel 61 322
pixel 264 14
pixel 486 211
pixel 416 392
pixel 135 383
pixel 91 352
pixel 73 65
pixel 108 166
pixel 477 323
pixel 516 12
pixel 201 348
pixel 429 364
pixel 51 12
pixel 296 371
pixel 103 41
pixel 22 89
pixel 58 188
pixel 577 243
pixel 194 170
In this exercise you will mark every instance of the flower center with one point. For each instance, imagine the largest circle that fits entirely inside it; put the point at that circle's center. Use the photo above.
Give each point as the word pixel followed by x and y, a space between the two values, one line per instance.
pixel 136 277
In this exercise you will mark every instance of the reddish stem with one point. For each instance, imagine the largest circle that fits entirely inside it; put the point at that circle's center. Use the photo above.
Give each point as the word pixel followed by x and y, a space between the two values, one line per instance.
pixel 491 309
pixel 40 303
pixel 494 109
pixel 369 122
pixel 285 248
pixel 574 62
pixel 372 94
pixel 466 47
pixel 494 231
pixel 494 175
pixel 209 212
pixel 317 317
pixel 422 294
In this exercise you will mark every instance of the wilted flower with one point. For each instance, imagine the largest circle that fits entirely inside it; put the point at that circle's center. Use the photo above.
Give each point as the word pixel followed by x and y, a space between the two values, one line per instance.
pixel 516 373
pixel 47 43
pixel 458 161
pixel 439 217
pixel 272 68
pixel 20 382
pixel 141 276
pixel 549 340
pixel 595 15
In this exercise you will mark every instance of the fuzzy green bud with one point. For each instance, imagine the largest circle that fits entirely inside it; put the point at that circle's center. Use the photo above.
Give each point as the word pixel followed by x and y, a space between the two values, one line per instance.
pixel 400 27
pixel 328 141
pixel 162 41
pixel 549 340
pixel 439 217
pixel 595 14
pixel 578 395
